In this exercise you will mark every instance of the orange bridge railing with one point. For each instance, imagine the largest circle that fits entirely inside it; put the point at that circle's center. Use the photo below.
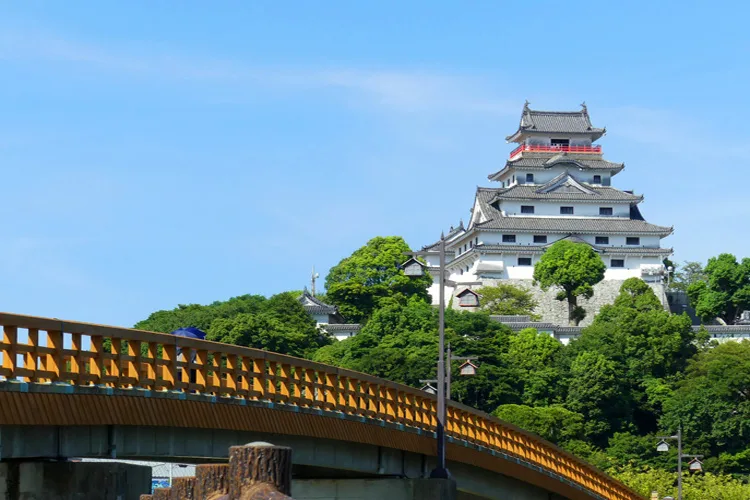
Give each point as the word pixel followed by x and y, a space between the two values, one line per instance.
pixel 53 351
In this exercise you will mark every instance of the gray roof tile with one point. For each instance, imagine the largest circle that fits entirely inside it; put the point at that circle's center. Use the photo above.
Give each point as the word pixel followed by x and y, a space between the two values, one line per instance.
pixel 574 225
pixel 545 162
pixel 575 122
pixel 600 194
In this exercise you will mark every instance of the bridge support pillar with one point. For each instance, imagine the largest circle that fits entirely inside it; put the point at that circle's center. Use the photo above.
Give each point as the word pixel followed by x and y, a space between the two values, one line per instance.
pixel 374 489
pixel 73 481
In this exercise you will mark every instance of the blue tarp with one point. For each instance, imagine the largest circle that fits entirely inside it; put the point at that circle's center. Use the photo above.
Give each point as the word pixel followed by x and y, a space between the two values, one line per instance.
pixel 190 332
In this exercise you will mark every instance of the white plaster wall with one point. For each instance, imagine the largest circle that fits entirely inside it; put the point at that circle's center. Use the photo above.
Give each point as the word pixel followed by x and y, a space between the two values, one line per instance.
pixel 544 176
pixel 341 335
pixel 320 318
pixel 545 208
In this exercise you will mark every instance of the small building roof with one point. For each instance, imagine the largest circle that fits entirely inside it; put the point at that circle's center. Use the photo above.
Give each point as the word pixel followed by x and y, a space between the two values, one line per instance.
pixel 314 306
pixel 570 122
pixel 337 327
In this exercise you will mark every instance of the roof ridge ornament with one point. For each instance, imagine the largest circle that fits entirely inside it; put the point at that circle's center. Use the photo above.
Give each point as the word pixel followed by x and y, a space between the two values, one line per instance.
pixel 584 109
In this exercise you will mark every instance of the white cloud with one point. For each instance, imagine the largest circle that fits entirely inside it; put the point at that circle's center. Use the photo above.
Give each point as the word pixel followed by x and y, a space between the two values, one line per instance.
pixel 395 90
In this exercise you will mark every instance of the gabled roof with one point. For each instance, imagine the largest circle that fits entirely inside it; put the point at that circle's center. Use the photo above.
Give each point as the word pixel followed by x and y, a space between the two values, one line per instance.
pixel 564 184
pixel 571 225
pixel 565 188
pixel 452 233
pixel 562 159
pixel 314 306
pixel 571 122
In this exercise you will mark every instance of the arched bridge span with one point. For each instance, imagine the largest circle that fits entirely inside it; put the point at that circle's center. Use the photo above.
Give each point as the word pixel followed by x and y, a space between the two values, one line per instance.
pixel 77 389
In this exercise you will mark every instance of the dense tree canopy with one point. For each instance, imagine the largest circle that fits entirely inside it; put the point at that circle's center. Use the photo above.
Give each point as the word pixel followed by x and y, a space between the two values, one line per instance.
pixel 574 268
pixel 636 372
pixel 712 403
pixel 359 282
pixel 724 291
pixel 506 299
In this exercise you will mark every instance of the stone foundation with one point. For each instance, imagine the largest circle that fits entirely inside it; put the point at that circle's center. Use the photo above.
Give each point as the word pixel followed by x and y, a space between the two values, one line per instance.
pixel 554 311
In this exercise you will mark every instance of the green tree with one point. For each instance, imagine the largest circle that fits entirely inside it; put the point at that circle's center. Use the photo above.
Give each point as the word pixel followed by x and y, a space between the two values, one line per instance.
pixel 201 316
pixel 636 294
pixel 531 356
pixel 505 299
pixel 648 345
pixel 574 268
pixel 595 391
pixel 687 274
pixel 281 326
pixel 553 423
pixel 702 486
pixel 712 403
pixel 359 283
pixel 725 290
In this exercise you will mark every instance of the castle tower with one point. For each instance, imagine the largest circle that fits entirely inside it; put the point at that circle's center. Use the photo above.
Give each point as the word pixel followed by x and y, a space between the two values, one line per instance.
pixel 555 185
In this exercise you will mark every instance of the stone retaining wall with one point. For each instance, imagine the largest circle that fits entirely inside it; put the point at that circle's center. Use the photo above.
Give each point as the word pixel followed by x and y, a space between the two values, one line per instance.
pixel 554 311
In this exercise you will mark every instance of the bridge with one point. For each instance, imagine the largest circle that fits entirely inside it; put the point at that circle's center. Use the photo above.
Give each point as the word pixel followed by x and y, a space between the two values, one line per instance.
pixel 71 389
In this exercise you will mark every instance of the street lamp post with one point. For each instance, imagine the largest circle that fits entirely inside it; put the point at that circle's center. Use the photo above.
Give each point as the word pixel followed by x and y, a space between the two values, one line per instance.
pixel 415 268
pixel 695 464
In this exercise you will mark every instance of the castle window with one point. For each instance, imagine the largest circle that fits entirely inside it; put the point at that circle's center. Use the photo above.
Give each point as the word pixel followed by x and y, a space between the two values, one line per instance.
pixel 597 179
pixel 632 240
pixel 540 238
pixel 566 210
pixel 476 240
pixel 605 210
pixel 509 238
pixel 527 209
pixel 524 261
pixel 617 263
pixel 602 240
pixel 530 178
pixel 560 142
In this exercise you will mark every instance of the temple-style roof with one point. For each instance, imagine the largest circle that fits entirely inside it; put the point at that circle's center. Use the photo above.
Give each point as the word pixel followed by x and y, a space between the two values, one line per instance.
pixel 566 188
pixel 565 122
pixel 543 162
pixel 314 306
pixel 575 225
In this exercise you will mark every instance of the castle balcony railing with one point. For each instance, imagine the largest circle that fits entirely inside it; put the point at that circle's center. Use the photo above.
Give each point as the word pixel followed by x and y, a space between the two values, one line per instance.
pixel 541 148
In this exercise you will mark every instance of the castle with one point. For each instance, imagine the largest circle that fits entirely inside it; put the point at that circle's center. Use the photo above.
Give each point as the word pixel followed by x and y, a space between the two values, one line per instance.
pixel 555 185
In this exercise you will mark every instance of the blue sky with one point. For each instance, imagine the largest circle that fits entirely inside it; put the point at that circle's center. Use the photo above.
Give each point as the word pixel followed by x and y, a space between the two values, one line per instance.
pixel 156 153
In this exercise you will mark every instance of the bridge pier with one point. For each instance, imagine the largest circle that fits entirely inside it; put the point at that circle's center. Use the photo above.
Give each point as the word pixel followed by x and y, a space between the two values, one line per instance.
pixel 374 489
pixel 62 480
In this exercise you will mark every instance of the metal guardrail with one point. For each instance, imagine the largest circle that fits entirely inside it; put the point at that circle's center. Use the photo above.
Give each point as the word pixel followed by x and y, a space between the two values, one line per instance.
pixel 134 359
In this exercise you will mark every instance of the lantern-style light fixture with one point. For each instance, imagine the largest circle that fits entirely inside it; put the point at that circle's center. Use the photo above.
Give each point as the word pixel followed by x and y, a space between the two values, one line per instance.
pixel 413 267
pixel 695 465
pixel 663 446
pixel 468 368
